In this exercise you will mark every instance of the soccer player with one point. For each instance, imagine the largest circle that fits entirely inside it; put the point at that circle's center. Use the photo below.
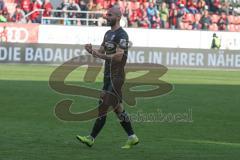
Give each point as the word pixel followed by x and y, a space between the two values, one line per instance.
pixel 113 50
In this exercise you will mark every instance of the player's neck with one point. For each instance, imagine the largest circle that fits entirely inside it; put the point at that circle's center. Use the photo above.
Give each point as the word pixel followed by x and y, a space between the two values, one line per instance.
pixel 115 27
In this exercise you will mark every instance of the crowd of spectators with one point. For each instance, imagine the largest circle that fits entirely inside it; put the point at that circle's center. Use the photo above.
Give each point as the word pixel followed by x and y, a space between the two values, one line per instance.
pixel 168 14
pixel 23 9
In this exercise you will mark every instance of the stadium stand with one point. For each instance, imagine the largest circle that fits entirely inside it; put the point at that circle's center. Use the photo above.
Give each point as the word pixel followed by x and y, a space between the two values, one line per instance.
pixel 174 14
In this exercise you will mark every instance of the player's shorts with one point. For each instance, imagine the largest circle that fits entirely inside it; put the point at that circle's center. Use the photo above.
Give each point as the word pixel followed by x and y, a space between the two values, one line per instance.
pixel 114 86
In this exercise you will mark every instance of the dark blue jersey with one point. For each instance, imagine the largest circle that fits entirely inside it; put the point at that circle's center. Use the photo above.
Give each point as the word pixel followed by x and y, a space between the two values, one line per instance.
pixel 112 40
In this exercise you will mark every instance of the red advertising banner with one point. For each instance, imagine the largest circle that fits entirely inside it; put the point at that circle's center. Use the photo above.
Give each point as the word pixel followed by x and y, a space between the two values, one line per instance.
pixel 19 33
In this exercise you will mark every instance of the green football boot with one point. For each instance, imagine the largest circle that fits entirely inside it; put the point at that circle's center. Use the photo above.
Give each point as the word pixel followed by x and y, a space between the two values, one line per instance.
pixel 88 140
pixel 131 142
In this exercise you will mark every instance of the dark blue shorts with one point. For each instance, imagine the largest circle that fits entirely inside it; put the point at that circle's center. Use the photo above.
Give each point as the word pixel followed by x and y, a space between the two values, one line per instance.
pixel 114 86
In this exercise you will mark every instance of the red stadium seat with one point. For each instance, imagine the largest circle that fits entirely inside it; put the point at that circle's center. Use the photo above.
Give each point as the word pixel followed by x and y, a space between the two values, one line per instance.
pixel 238 19
pixel 237 28
pixel 198 17
pixel 224 15
pixel 235 20
pixel 230 19
pixel 214 18
pixel 231 27
pixel 213 27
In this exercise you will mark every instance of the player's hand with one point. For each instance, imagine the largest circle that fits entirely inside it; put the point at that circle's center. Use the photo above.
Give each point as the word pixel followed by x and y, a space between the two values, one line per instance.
pixel 95 53
pixel 88 47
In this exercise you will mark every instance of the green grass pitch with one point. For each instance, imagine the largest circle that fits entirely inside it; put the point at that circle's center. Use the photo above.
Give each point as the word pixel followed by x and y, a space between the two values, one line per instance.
pixel 29 129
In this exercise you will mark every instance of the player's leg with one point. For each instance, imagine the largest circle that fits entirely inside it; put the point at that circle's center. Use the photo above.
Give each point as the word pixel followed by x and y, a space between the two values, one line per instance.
pixel 124 119
pixel 122 114
pixel 97 127
pixel 117 84
pixel 102 115
pixel 126 124
pixel 101 119
pixel 107 101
